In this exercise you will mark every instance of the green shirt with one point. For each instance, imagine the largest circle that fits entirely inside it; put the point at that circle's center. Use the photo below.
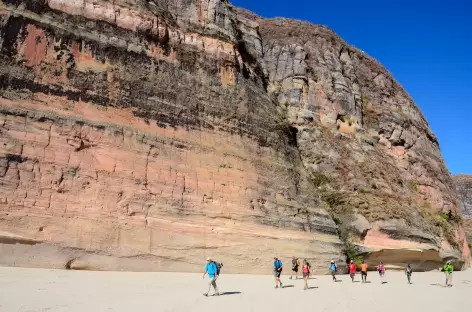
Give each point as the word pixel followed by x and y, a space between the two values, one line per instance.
pixel 448 268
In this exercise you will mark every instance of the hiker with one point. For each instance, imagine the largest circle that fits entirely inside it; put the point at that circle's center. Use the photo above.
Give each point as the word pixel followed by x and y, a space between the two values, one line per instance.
pixel 278 266
pixel 212 270
pixel 352 270
pixel 333 269
pixel 295 266
pixel 381 270
pixel 364 272
pixel 448 268
pixel 309 265
pixel 306 273
pixel 408 271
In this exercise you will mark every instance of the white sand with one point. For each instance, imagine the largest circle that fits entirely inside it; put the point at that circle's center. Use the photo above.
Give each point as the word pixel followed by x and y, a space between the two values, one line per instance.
pixel 52 290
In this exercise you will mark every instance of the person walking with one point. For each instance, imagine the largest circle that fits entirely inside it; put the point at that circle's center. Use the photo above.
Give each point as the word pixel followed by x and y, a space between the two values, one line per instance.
pixel 212 270
pixel 364 271
pixel 278 266
pixel 381 270
pixel 333 269
pixel 352 270
pixel 448 269
pixel 295 266
pixel 408 272
pixel 306 273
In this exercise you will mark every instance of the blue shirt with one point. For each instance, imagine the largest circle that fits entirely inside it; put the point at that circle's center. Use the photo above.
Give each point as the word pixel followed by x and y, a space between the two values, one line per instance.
pixel 277 264
pixel 332 267
pixel 211 269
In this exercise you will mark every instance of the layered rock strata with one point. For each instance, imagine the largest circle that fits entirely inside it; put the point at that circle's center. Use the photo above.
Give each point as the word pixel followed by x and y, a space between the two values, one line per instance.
pixel 148 135
pixel 139 136
pixel 463 185
pixel 366 145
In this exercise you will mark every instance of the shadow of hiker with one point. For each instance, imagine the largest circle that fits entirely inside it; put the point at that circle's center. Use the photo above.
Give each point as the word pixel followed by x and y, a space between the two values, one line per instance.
pixel 439 285
pixel 288 286
pixel 314 287
pixel 226 293
pixel 338 281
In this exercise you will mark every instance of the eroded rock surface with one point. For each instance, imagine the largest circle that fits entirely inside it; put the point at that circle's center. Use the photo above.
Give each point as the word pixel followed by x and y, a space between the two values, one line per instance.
pixel 148 135
pixel 365 144
pixel 464 191
pixel 138 135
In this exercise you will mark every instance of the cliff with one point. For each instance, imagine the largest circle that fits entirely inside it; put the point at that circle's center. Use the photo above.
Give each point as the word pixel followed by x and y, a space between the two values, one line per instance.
pixel 463 185
pixel 148 135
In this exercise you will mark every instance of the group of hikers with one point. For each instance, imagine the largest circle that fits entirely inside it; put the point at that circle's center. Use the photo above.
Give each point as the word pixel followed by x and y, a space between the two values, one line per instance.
pixel 333 270
pixel 213 270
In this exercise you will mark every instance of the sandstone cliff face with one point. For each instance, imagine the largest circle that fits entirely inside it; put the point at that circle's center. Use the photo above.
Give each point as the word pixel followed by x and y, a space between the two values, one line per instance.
pixel 148 135
pixel 139 136
pixel 367 146
pixel 463 185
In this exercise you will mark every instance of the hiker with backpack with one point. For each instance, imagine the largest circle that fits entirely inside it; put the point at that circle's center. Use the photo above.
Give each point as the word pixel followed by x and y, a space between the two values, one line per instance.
pixel 448 269
pixel 306 273
pixel 213 269
pixel 364 271
pixel 352 270
pixel 295 266
pixel 408 272
pixel 333 269
pixel 278 266
pixel 381 270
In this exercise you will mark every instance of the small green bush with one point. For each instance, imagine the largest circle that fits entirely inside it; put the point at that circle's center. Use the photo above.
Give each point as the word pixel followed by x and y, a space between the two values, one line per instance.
pixel 454 218
pixel 319 179
pixel 413 186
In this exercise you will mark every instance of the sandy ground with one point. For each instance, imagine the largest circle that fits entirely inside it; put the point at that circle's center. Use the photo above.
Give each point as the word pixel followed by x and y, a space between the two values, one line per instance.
pixel 53 290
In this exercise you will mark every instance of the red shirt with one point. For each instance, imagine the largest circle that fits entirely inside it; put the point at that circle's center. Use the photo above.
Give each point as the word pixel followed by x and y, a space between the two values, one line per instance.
pixel 352 268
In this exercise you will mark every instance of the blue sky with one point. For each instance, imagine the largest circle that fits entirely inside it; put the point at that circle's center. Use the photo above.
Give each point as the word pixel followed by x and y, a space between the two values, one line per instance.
pixel 426 45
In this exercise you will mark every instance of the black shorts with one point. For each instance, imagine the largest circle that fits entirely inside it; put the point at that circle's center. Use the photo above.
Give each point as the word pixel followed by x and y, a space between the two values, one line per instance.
pixel 277 273
pixel 305 275
pixel 364 273
pixel 295 269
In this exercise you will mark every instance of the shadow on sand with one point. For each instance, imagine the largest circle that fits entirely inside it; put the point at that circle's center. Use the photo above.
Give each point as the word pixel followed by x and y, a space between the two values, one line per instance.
pixel 226 293
pixel 288 286
pixel 314 287
pixel 441 285
pixel 338 281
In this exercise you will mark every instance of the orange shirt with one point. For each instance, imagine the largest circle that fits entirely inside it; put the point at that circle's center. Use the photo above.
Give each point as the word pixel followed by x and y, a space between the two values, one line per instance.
pixel 364 267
